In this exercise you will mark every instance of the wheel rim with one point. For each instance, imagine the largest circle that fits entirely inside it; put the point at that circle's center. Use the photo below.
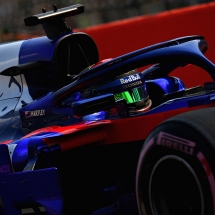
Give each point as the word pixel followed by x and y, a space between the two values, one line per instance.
pixel 174 188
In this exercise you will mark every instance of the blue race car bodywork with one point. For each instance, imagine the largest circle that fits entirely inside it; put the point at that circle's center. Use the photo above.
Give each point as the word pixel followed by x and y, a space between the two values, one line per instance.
pixel 72 128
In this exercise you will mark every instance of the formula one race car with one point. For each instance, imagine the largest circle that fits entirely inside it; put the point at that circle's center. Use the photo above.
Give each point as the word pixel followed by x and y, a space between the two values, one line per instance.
pixel 79 136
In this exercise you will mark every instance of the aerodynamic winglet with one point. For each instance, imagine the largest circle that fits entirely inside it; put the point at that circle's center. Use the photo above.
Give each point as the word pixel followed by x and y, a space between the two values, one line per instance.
pixel 56 13
pixel 53 22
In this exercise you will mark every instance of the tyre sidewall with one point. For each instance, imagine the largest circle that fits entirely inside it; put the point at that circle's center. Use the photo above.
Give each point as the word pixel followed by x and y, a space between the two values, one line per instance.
pixel 185 142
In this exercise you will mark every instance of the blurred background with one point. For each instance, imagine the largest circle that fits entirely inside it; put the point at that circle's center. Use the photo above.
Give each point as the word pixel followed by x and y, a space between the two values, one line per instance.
pixel 13 12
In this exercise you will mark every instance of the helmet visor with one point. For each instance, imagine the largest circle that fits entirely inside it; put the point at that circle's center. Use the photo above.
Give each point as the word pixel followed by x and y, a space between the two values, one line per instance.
pixel 133 96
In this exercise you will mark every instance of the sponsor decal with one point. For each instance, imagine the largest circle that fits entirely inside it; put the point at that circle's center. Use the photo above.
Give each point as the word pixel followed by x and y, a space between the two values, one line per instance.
pixel 130 78
pixel 176 143
pixel 34 113
pixel 132 84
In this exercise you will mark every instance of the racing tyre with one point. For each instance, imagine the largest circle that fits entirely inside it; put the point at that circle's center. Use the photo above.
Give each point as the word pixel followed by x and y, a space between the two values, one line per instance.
pixel 176 167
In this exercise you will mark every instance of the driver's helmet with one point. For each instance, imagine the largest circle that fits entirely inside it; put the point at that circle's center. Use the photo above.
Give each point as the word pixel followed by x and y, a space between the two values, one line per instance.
pixel 131 87
pixel 134 91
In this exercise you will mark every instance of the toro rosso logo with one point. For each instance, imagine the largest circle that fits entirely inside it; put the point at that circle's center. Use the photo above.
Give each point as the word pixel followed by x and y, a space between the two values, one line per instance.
pixel 176 143
pixel 34 113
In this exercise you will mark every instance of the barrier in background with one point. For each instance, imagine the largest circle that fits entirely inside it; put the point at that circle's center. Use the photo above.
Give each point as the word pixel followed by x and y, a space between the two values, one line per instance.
pixel 117 38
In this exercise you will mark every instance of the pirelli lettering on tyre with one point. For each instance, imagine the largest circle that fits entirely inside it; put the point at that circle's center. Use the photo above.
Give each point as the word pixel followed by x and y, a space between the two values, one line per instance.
pixel 34 113
pixel 177 143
